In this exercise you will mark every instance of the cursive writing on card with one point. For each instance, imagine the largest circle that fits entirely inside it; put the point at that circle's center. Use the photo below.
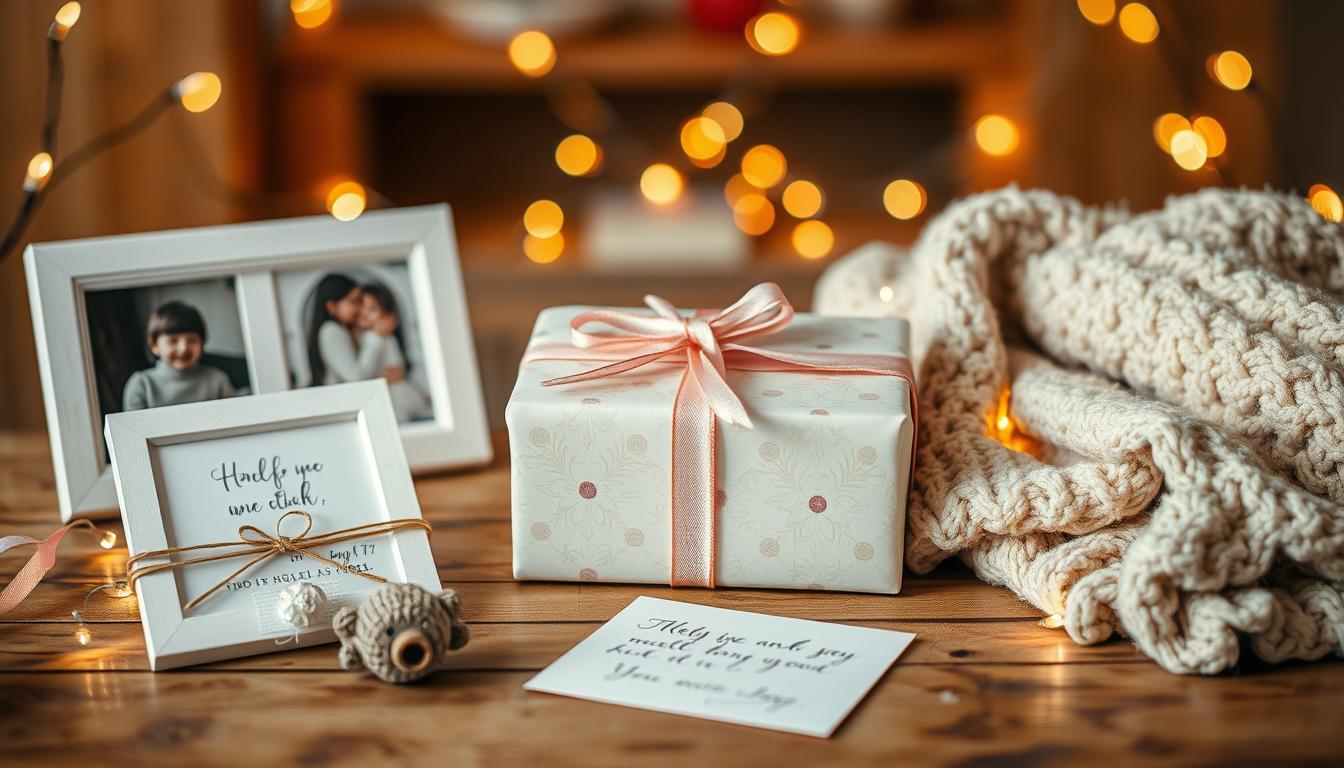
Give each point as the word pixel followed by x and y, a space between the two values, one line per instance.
pixel 272 486
pixel 769 671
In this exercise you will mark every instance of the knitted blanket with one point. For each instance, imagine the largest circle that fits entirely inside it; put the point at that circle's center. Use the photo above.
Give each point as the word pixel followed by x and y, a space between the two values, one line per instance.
pixel 1180 375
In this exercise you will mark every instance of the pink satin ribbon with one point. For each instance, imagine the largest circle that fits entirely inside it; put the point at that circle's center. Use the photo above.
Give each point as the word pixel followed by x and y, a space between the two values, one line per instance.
pixel 707 344
pixel 37 566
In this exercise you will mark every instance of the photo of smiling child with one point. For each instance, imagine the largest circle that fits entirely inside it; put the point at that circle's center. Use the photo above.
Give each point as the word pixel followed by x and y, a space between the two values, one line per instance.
pixel 166 344
pixel 176 336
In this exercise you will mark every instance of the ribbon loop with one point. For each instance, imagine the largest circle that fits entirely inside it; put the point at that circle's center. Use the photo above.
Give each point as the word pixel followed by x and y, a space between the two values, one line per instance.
pixel 708 344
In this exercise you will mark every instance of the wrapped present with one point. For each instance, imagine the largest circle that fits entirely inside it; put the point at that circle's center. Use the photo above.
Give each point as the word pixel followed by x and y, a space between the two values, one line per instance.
pixel 746 447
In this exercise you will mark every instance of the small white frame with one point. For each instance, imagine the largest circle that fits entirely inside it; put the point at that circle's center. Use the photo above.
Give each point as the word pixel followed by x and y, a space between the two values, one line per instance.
pixel 175 640
pixel 60 274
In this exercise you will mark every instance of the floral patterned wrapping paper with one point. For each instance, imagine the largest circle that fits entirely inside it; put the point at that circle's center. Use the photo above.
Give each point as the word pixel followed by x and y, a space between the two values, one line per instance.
pixel 812 496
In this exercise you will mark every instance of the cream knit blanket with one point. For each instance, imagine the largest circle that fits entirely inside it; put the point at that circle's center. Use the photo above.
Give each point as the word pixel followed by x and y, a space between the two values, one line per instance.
pixel 1187 388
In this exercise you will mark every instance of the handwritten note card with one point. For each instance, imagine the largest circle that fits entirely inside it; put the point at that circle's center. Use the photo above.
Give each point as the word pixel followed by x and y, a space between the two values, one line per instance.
pixel 211 487
pixel 748 668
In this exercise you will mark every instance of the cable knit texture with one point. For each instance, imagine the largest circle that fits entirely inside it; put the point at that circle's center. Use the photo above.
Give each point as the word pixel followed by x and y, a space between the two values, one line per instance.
pixel 1182 375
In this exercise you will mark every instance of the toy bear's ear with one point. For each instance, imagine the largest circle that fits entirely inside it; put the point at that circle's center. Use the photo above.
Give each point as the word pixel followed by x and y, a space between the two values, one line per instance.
pixel 452 602
pixel 344 623
pixel 461 634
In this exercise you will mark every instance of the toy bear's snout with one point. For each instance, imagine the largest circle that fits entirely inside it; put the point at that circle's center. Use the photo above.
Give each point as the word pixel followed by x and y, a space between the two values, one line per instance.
pixel 412 652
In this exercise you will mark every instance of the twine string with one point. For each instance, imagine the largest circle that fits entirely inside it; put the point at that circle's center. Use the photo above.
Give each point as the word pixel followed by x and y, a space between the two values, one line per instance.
pixel 262 546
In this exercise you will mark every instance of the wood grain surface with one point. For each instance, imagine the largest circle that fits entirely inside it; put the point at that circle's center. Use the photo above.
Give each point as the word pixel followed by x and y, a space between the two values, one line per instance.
pixel 983 684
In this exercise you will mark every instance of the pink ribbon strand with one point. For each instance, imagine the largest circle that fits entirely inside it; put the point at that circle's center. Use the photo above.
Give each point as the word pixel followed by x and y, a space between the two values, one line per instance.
pixel 37 566
pixel 706 344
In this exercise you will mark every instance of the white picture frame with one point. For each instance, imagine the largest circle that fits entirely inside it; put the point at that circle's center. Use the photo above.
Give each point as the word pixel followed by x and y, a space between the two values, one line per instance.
pixel 156 516
pixel 61 275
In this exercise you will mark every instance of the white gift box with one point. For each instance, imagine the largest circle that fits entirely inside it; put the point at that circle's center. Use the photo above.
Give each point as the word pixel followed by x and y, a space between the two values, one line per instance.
pixel 811 496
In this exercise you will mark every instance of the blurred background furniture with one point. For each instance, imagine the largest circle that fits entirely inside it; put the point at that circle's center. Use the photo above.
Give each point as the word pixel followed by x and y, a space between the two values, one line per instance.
pixel 418 101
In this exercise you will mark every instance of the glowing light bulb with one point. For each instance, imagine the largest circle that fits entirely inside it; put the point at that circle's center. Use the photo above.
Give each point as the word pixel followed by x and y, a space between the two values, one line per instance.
pixel 64 21
pixel 543 218
pixel 727 116
pixel 1232 70
pixel 661 184
pixel 346 201
pixel 1053 621
pixel 996 135
pixel 1099 12
pixel 886 293
pixel 703 139
pixel 1326 202
pixel 544 250
pixel 108 540
pixel 904 199
pixel 38 172
pixel 1189 150
pixel 1209 129
pixel 578 155
pixel 773 34
pixel 532 53
pixel 311 14
pixel 83 635
pixel 1167 126
pixel 802 199
pixel 754 214
pixel 1138 23
pixel 813 239
pixel 198 91
pixel 764 166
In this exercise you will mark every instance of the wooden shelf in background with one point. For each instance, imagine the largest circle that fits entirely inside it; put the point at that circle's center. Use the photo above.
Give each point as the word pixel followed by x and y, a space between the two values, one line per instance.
pixel 412 49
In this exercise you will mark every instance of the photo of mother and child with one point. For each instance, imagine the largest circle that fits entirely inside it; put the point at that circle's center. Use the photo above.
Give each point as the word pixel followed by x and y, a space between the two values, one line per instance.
pixel 353 331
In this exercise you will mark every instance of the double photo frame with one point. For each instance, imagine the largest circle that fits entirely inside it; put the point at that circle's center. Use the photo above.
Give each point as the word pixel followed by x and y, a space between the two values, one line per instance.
pixel 167 318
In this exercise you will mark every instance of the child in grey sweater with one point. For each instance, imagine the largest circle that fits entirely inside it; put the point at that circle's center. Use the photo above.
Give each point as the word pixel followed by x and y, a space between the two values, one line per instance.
pixel 176 335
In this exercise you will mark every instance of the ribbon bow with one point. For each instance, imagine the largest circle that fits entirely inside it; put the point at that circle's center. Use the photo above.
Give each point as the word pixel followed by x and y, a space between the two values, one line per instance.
pixel 255 541
pixel 707 343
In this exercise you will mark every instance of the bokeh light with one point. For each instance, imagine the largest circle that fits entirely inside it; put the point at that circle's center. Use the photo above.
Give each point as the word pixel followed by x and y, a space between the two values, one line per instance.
pixel 703 139
pixel 578 155
pixel 754 214
pixel 532 53
pixel 1209 129
pixel 727 116
pixel 996 135
pixel 904 199
pixel 346 200
pixel 773 34
pixel 1099 12
pixel 1232 70
pixel 736 187
pixel 1327 203
pixel 1189 150
pixel 1166 126
pixel 1138 23
pixel 802 199
pixel 198 91
pixel 311 14
pixel 543 250
pixel 543 218
pixel 813 239
pixel 661 184
pixel 764 166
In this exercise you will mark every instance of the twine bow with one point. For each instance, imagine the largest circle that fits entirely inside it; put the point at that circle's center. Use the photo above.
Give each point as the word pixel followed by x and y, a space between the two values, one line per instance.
pixel 262 546
pixel 707 343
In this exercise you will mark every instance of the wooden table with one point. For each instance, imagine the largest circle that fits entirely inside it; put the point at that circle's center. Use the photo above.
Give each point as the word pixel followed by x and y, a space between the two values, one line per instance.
pixel 983 684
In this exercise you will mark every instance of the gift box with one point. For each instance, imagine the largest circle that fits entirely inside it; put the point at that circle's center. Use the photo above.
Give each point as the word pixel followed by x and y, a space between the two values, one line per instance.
pixel 748 447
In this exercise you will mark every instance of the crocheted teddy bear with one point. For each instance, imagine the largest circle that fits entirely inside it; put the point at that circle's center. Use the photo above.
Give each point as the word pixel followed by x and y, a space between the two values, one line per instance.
pixel 401 633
